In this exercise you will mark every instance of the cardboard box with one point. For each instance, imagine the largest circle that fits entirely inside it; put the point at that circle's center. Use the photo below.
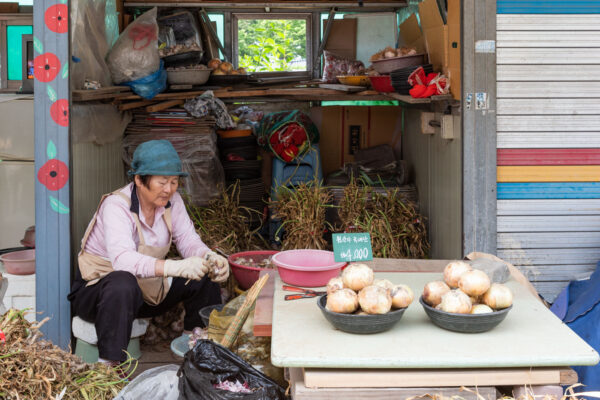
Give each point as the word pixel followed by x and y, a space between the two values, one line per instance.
pixel 443 40
pixel 412 35
pixel 343 130
pixel 342 38
pixel 9 8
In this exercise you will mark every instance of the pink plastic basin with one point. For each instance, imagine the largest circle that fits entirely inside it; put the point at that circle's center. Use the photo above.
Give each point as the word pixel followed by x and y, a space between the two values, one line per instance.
pixel 19 262
pixel 308 268
pixel 245 275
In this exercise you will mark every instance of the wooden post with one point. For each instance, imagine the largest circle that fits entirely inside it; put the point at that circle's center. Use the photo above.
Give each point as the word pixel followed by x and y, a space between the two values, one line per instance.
pixel 479 125
pixel 52 161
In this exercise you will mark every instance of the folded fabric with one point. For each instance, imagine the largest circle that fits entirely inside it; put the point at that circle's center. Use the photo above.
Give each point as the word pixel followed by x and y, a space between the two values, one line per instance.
pixel 427 85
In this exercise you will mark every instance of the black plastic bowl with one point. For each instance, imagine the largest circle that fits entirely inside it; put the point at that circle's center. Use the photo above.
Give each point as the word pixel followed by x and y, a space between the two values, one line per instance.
pixel 362 324
pixel 465 323
pixel 205 312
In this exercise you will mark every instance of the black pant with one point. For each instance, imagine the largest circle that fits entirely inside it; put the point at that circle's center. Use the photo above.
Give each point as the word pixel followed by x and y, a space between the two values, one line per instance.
pixel 116 300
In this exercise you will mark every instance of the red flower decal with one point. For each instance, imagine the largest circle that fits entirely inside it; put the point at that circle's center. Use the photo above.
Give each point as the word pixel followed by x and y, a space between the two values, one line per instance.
pixel 57 18
pixel 46 67
pixel 54 174
pixel 59 111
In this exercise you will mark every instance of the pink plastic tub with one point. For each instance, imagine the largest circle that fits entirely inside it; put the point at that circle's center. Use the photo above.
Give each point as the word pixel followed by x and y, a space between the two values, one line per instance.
pixel 245 275
pixel 308 268
pixel 19 262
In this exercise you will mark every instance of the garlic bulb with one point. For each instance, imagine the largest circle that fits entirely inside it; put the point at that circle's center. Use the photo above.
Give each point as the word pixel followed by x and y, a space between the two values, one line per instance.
pixel 357 276
pixel 453 272
pixel 402 296
pixel 456 302
pixel 498 296
pixel 433 292
pixel 481 309
pixel 384 283
pixel 334 285
pixel 375 300
pixel 343 301
pixel 474 283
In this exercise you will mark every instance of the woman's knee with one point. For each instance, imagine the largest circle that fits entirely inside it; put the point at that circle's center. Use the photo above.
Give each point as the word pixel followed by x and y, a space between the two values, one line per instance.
pixel 121 285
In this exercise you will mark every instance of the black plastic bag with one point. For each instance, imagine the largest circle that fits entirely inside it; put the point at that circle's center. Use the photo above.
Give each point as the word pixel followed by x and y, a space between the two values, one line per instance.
pixel 209 363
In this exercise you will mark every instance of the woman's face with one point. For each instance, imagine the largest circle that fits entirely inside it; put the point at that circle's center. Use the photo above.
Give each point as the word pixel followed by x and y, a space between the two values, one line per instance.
pixel 159 190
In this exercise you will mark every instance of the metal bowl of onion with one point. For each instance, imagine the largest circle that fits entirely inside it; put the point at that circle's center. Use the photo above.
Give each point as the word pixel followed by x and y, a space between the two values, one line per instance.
pixel 361 323
pixel 465 323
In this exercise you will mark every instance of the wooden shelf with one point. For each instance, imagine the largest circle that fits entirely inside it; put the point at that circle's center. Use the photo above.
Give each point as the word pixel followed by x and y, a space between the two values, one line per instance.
pixel 411 100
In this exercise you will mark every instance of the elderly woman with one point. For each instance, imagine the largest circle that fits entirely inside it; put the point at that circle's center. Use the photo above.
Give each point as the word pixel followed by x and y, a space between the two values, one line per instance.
pixel 123 273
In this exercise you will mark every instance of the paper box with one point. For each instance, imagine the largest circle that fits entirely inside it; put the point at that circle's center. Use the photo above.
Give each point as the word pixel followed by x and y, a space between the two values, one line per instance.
pixel 412 35
pixel 343 130
pixel 342 38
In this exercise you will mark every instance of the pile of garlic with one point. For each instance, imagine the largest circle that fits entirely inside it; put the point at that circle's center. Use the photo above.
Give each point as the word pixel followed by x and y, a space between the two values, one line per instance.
pixel 357 290
pixel 466 291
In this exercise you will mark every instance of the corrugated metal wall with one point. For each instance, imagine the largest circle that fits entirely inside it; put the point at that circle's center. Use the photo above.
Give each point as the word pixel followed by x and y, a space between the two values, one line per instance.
pixel 548 132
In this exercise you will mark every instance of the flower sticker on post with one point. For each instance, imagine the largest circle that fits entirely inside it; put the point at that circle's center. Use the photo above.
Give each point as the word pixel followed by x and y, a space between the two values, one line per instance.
pixel 57 18
pixel 54 175
pixel 59 110
pixel 46 67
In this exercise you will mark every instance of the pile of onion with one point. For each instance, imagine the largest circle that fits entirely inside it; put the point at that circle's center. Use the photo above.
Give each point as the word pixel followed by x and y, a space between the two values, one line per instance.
pixel 466 290
pixel 356 291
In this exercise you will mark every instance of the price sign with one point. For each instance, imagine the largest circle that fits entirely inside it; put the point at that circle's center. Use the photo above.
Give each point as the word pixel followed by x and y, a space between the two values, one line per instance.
pixel 352 247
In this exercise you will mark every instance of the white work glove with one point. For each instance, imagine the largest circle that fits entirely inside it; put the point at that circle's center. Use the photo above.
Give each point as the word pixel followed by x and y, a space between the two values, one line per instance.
pixel 218 267
pixel 190 268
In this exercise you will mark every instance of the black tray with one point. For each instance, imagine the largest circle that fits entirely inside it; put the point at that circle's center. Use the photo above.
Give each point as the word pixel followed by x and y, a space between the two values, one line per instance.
pixel 227 79
pixel 183 59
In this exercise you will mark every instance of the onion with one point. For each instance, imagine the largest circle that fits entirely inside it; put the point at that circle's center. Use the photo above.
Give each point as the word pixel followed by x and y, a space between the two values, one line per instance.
pixel 474 283
pixel 481 309
pixel 219 72
pixel 456 302
pixel 343 301
pixel 402 296
pixel 384 283
pixel 334 285
pixel 214 63
pixel 226 67
pixel 433 292
pixel 498 296
pixel 389 54
pixel 357 276
pixel 453 272
pixel 374 300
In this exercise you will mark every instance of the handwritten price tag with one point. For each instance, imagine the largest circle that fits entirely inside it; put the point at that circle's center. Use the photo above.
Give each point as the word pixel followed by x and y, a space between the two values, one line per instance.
pixel 352 247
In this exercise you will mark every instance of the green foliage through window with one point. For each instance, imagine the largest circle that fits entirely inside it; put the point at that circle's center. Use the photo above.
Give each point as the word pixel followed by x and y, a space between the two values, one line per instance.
pixel 272 45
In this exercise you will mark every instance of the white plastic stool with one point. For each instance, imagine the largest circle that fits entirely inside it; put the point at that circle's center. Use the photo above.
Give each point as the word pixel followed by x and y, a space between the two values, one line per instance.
pixel 87 339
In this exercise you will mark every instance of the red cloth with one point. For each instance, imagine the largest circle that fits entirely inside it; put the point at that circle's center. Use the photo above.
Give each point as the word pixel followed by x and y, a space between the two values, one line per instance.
pixel 427 85
pixel 288 140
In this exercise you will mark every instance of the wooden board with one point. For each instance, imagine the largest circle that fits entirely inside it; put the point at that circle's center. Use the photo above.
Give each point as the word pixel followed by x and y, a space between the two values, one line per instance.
pixel 550 73
pixel 547 240
pixel 582 106
pixel 548 39
pixel 548 190
pixel 299 391
pixel 538 157
pixel 553 223
pixel 263 312
pixel 342 88
pixel 512 22
pixel 365 378
pixel 549 173
pixel 550 256
pixel 547 56
pixel 302 337
pixel 562 139
pixel 548 123
pixel 98 94
pixel 549 207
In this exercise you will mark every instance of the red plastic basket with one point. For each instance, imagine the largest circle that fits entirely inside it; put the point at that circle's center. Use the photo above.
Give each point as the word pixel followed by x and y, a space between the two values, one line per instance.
pixel 382 84
pixel 246 276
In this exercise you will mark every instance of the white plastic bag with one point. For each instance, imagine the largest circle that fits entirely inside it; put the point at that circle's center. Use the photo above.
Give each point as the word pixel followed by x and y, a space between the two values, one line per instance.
pixel 135 53
pixel 156 383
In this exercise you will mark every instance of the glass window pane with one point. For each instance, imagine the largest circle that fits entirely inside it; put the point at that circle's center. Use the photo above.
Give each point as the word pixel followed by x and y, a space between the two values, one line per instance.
pixel 14 54
pixel 219 19
pixel 272 45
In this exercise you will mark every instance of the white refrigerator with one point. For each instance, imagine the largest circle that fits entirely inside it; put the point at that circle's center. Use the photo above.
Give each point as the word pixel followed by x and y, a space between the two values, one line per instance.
pixel 17 171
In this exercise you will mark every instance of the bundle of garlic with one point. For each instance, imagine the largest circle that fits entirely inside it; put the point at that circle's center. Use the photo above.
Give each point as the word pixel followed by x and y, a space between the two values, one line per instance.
pixel 356 291
pixel 390 52
pixel 466 290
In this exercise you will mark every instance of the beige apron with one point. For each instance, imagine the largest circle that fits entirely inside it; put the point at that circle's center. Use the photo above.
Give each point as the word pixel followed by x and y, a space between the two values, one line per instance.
pixel 93 267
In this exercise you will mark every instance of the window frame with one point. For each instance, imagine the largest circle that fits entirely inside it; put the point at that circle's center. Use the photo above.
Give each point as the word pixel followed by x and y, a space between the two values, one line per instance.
pixel 306 16
pixel 6 20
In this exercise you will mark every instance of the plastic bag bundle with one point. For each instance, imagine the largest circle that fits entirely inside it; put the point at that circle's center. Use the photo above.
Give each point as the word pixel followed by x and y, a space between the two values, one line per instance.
pixel 135 53
pixel 209 368
pixel 156 383
pixel 196 146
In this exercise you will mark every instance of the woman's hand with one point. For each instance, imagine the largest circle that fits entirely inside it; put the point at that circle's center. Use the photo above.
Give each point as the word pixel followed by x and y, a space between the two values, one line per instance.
pixel 190 268
pixel 218 266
